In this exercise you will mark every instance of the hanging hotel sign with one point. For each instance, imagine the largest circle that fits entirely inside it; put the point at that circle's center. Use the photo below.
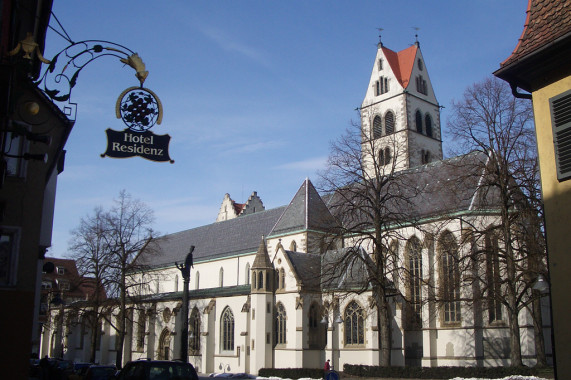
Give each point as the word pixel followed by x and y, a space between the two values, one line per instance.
pixel 140 109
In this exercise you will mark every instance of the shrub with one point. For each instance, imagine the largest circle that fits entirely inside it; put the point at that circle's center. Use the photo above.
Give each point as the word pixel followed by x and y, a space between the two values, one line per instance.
pixel 436 372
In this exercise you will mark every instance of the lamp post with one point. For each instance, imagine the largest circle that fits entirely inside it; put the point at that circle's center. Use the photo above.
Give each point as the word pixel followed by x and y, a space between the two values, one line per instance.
pixel 185 272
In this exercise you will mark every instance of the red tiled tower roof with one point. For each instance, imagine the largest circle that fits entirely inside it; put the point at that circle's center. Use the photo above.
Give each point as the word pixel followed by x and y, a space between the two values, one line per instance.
pixel 402 63
pixel 546 22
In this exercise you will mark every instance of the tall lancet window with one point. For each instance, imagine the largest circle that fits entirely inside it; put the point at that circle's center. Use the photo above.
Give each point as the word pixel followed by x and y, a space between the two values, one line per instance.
pixel 414 251
pixel 227 327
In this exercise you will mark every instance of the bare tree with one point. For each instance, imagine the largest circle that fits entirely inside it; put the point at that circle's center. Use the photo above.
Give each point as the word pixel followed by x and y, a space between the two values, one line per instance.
pixel 129 227
pixel 511 252
pixel 369 198
pixel 105 246
pixel 89 248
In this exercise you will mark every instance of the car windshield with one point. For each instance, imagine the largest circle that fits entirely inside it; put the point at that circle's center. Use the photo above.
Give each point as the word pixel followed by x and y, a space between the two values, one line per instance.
pixel 164 371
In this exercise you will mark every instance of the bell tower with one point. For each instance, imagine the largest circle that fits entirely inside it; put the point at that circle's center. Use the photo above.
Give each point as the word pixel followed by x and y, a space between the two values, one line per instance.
pixel 400 116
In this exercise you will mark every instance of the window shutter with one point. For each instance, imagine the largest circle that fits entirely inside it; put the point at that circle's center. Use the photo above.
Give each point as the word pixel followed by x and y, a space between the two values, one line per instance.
pixel 561 123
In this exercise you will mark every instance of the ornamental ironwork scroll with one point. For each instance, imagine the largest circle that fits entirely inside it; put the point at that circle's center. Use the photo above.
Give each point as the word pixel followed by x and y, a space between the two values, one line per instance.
pixel 139 108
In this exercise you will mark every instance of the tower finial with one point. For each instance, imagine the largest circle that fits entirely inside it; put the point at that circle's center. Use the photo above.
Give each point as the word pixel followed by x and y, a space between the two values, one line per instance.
pixel 380 44
pixel 416 35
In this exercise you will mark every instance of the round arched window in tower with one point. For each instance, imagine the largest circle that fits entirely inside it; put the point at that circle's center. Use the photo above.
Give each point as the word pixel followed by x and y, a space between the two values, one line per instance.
pixel 428 125
pixel 377 127
pixel 389 123
pixel 418 121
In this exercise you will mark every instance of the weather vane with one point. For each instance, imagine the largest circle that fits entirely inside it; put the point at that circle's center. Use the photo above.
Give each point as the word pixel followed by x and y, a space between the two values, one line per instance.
pixel 380 30
pixel 416 34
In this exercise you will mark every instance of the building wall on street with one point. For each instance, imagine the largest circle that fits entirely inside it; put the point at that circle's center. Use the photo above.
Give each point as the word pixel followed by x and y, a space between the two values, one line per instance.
pixel 556 197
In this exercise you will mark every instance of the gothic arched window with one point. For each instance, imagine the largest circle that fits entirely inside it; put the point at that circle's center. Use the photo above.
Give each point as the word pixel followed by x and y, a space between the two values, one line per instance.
pixel 388 156
pixel 260 280
pixel 418 121
pixel 247 274
pixel 227 330
pixel 449 277
pixel 428 125
pixel 197 280
pixel 281 284
pixel 354 324
pixel 414 252
pixel 194 332
pixel 389 123
pixel 317 330
pixel 280 322
pixel 293 246
pixel 221 277
pixel 377 127
pixel 141 333
pixel 493 278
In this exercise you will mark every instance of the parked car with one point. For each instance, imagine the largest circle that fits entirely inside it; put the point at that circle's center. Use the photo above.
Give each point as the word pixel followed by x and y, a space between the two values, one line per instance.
pixel 157 370
pixel 79 370
pixel 60 369
pixel 100 372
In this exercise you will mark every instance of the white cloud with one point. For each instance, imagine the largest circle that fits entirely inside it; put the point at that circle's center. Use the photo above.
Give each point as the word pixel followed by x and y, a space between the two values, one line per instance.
pixel 228 43
pixel 311 164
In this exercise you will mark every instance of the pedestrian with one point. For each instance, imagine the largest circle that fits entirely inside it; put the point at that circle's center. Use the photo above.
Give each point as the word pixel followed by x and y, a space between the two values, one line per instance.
pixel 326 368
pixel 44 368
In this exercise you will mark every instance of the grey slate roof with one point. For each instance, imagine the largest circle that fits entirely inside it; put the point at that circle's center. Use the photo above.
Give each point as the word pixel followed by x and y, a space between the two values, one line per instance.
pixel 344 271
pixel 222 239
pixel 306 211
pixel 437 189
pixel 307 268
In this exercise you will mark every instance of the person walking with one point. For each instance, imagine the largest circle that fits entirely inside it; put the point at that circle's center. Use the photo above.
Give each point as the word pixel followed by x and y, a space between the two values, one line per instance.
pixel 326 368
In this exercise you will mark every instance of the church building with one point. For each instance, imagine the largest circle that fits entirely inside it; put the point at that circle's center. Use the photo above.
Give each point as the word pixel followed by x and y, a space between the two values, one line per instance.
pixel 257 297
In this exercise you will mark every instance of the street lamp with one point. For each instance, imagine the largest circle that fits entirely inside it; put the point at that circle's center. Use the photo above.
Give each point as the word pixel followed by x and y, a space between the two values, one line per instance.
pixel 541 284
pixel 185 272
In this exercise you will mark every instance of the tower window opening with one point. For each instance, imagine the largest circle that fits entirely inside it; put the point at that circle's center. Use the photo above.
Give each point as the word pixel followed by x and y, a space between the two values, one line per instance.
pixel 421 85
pixel 385 156
pixel 389 123
pixel 377 127
pixel 418 121
pixel 428 125
pixel 425 156
pixel 381 86
pixel 380 64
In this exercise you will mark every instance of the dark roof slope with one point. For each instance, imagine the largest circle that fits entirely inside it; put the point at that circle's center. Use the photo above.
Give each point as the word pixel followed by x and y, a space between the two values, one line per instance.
pixel 437 189
pixel 306 267
pixel 231 237
pixel 306 211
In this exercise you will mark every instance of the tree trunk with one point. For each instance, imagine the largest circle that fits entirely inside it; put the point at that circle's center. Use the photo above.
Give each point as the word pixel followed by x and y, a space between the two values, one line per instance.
pixel 93 341
pixel 384 328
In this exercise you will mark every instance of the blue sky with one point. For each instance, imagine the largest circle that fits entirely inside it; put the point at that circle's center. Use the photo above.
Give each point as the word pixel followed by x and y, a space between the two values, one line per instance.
pixel 253 91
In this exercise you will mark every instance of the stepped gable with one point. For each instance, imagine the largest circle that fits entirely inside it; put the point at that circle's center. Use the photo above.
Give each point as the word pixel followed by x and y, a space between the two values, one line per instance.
pixel 221 239
pixel 306 211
